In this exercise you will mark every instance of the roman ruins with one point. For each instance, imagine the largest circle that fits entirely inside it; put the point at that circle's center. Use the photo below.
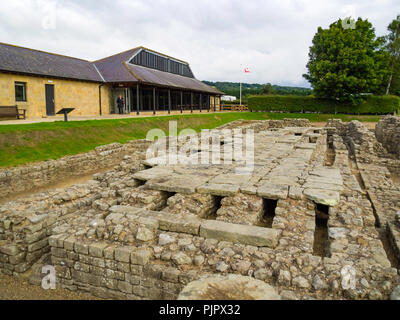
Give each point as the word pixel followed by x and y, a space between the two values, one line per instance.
pixel 315 216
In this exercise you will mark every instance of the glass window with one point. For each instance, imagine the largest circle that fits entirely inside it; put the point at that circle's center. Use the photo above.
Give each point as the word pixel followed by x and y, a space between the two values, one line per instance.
pixel 20 91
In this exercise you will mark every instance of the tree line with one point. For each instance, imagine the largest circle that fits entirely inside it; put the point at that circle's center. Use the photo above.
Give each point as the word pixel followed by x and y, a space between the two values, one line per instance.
pixel 233 89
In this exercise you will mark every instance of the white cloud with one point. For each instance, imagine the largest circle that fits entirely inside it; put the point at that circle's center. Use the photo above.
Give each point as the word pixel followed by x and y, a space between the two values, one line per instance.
pixel 217 37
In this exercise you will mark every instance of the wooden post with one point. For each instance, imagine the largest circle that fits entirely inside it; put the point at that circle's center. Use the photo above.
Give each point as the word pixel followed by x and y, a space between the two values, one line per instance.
pixel 208 103
pixel 215 104
pixel 169 101
pixel 200 102
pixel 191 102
pixel 137 100
pixel 181 101
pixel 154 100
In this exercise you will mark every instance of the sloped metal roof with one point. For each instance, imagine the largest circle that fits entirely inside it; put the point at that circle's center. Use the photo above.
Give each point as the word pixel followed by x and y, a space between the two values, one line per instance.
pixel 161 78
pixel 118 69
pixel 35 62
pixel 112 69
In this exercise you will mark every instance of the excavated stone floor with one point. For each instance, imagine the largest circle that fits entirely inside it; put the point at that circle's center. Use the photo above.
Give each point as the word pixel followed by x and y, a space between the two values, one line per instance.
pixel 315 219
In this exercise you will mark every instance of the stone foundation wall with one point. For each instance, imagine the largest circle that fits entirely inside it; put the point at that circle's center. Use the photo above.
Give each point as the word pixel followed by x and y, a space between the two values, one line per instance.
pixel 25 178
pixel 388 133
pixel 260 125
pixel 114 272
pixel 25 225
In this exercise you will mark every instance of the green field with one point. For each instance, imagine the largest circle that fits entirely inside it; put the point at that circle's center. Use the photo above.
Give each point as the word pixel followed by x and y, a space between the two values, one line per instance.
pixel 25 143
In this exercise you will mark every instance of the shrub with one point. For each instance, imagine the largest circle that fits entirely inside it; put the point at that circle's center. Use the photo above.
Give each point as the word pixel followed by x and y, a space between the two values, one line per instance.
pixel 296 104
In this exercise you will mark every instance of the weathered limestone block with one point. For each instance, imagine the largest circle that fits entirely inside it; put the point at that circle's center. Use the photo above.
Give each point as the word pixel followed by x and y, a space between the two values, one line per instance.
pixel 231 287
pixel 222 189
pixel 241 209
pixel 148 199
pixel 123 254
pixel 202 205
pixel 250 235
pixel 9 249
pixel 179 183
pixel 325 197
pixel 170 222
pixel 96 249
pixel 273 191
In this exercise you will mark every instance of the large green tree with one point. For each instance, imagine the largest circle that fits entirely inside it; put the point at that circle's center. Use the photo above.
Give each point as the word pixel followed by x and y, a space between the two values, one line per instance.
pixel 347 60
pixel 393 47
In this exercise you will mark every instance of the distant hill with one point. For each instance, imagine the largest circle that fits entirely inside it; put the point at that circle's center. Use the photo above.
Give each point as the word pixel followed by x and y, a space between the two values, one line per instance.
pixel 233 89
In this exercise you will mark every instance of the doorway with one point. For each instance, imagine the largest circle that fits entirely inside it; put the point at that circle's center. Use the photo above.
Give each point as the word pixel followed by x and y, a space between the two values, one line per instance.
pixel 126 94
pixel 50 99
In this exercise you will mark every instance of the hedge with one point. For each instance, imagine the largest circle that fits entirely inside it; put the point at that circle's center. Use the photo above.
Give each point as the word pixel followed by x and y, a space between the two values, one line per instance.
pixel 369 105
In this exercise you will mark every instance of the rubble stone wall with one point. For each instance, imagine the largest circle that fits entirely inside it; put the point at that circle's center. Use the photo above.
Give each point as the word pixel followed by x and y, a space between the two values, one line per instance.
pixel 388 133
pixel 27 224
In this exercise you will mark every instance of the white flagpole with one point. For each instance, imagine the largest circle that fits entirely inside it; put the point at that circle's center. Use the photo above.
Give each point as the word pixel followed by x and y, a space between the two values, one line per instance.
pixel 240 93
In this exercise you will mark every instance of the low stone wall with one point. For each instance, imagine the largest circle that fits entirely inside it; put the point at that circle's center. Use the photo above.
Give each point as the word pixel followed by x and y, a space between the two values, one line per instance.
pixel 387 132
pixel 28 177
pixel 261 125
pixel 109 271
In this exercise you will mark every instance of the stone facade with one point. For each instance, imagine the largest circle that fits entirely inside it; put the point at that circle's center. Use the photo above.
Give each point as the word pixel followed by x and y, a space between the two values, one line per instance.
pixel 83 96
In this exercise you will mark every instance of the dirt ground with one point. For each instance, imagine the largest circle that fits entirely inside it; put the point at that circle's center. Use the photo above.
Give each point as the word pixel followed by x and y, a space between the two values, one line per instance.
pixel 12 288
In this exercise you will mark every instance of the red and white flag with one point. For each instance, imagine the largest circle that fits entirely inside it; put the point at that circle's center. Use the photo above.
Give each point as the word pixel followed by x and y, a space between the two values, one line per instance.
pixel 246 70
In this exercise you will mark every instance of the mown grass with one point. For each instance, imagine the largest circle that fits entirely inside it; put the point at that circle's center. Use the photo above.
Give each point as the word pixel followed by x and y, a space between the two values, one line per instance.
pixel 25 143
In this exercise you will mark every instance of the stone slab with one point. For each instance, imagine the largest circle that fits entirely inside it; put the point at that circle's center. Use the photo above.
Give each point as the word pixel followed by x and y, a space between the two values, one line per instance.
pixel 170 222
pixel 230 287
pixel 332 173
pixel 152 173
pixel 222 190
pixel 237 233
pixel 231 178
pixel 177 183
pixel 273 191
pixel 325 197
pixel 330 180
pixel 321 185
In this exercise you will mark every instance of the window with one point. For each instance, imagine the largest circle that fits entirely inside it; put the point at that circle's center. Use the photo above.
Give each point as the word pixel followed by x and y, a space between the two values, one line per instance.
pixel 20 91
pixel 151 60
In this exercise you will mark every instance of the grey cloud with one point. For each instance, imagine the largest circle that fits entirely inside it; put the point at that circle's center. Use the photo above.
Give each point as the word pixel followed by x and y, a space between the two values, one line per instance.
pixel 217 37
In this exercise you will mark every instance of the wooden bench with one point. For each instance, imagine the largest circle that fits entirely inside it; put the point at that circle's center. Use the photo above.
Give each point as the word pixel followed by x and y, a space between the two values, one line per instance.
pixel 11 112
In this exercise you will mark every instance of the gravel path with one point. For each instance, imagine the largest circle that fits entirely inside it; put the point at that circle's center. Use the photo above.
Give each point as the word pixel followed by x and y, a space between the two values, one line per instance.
pixel 12 288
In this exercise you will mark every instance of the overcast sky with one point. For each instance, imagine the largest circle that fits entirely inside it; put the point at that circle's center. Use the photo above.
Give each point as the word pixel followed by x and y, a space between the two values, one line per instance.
pixel 219 38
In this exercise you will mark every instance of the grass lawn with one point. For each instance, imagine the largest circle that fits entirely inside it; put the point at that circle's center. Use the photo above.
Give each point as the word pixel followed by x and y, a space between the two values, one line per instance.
pixel 24 143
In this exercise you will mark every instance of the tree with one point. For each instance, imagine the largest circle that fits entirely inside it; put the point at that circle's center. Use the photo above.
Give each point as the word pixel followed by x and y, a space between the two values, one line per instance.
pixel 346 62
pixel 267 89
pixel 393 47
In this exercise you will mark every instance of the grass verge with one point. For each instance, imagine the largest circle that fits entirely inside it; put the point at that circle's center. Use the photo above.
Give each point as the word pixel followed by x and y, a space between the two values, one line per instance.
pixel 25 143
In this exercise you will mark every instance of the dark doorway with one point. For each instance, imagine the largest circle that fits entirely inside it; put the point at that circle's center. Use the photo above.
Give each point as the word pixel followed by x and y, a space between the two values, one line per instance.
pixel 50 99
pixel 269 206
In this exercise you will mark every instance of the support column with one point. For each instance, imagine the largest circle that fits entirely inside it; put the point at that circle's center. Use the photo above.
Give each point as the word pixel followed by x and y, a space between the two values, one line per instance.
pixel 181 101
pixel 169 101
pixel 208 103
pixel 154 100
pixel 191 102
pixel 201 102
pixel 215 104
pixel 137 100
